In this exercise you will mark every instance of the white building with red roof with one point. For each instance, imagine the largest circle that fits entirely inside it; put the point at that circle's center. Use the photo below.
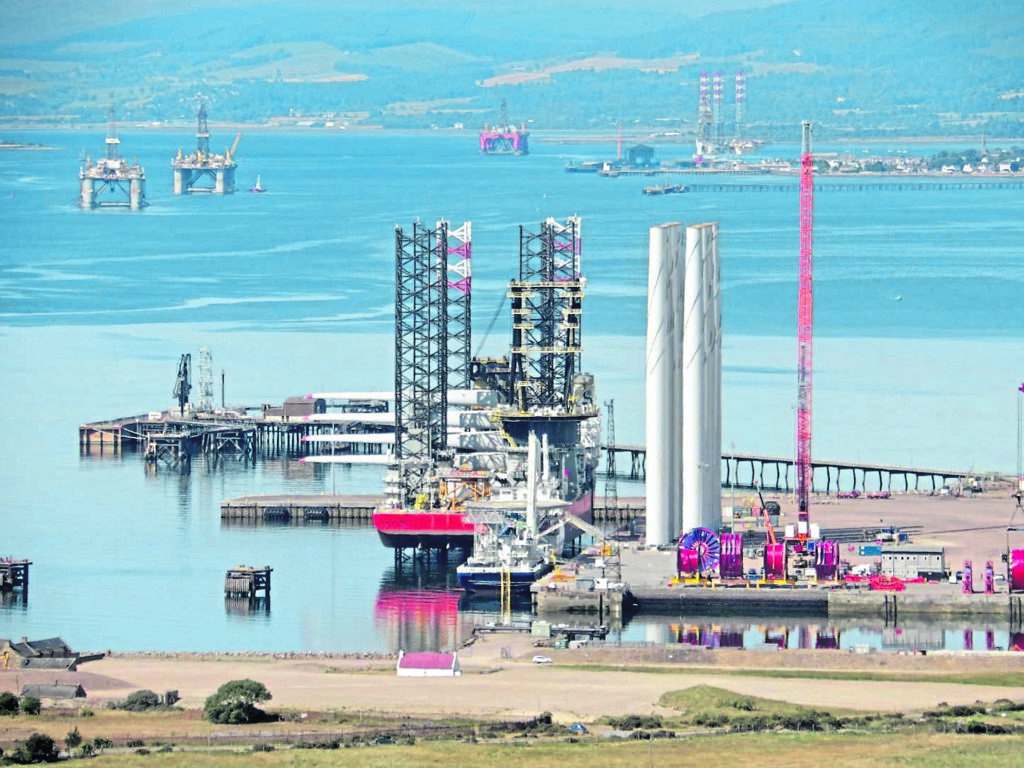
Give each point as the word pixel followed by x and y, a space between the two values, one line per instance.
pixel 428 664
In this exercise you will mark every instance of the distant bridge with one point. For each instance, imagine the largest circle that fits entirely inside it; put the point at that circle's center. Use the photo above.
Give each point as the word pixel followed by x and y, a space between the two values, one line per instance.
pixel 745 470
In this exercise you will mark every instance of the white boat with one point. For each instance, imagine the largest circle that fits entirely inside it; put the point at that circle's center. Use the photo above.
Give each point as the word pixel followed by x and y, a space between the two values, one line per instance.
pixel 257 187
pixel 516 532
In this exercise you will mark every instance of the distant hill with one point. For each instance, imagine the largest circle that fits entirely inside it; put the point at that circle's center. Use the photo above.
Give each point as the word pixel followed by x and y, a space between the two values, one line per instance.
pixel 855 68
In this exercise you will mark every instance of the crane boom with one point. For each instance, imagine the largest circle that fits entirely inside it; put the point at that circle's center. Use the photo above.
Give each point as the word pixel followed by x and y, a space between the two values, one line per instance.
pixel 805 335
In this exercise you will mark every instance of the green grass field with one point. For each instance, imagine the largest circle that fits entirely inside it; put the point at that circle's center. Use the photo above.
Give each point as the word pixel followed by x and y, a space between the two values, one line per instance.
pixel 762 750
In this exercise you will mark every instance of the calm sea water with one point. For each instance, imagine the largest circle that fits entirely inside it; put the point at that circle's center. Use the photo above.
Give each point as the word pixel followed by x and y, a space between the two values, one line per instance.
pixel 919 349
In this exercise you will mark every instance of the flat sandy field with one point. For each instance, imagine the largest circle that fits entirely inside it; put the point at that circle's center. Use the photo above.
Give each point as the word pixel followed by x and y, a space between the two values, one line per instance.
pixel 500 680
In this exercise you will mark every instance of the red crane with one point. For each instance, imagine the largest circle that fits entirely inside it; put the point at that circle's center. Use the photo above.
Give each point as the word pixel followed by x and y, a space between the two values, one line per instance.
pixel 805 336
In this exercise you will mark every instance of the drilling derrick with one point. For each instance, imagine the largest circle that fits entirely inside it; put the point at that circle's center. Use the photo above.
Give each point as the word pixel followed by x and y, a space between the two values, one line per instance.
pixel 805 336
pixel 547 307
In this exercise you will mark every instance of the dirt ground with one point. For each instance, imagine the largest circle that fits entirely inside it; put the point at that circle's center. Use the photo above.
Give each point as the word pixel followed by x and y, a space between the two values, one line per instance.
pixel 499 678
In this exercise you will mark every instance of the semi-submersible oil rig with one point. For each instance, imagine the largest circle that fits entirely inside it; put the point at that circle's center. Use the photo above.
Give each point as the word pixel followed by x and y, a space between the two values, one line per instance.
pixel 504 138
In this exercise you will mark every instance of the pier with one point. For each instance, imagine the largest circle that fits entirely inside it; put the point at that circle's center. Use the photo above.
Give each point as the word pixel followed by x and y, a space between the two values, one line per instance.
pixel 13 573
pixel 299 509
pixel 247 581
pixel 168 439
pixel 772 472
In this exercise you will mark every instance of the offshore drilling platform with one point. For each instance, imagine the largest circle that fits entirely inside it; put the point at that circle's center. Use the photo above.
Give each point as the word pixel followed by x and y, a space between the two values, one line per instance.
pixel 203 171
pixel 504 139
pixel 103 180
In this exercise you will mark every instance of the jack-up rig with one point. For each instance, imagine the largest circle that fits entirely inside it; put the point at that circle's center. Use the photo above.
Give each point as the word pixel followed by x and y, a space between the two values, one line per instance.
pixel 711 141
pixel 505 138
pixel 111 174
pixel 203 171
pixel 463 472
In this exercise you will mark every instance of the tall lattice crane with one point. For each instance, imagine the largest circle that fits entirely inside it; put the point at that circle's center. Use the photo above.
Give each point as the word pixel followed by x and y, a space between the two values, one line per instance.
pixel 805 336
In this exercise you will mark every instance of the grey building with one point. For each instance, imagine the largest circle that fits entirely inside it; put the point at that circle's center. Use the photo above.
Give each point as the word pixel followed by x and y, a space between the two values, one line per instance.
pixel 909 561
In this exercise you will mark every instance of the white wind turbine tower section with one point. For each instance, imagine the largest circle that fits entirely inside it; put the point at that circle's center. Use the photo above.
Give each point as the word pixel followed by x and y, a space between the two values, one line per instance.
pixel 701 381
pixel 712 512
pixel 662 422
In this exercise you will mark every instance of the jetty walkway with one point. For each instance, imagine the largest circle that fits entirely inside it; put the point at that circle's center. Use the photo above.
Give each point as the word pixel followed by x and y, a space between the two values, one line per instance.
pixel 746 470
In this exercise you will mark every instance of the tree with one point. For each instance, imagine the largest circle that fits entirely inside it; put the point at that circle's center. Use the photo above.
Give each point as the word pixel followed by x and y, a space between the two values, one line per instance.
pixel 30 705
pixel 38 748
pixel 8 703
pixel 234 702
pixel 73 739
pixel 140 701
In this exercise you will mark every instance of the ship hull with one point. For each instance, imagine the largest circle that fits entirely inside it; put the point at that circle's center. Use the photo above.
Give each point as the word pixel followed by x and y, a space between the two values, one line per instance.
pixel 412 528
pixel 486 579
pixel 406 529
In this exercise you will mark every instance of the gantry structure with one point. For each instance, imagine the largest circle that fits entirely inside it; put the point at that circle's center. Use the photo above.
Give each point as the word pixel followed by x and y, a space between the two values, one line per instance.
pixel 433 281
pixel 547 310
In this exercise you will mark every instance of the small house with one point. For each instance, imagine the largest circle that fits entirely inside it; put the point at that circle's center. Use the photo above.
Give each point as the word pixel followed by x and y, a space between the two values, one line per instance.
pixel 910 561
pixel 428 664
pixel 51 653
pixel 55 691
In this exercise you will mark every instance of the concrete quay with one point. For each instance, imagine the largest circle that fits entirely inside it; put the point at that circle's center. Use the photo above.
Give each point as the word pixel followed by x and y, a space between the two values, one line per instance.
pixel 590 585
pixel 297 509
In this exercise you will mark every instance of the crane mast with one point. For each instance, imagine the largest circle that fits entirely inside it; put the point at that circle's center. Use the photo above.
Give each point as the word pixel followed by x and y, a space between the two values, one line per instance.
pixel 805 335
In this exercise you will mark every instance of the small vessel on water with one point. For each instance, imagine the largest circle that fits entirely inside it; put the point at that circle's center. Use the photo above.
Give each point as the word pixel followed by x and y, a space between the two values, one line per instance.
pixel 258 186
pixel 518 531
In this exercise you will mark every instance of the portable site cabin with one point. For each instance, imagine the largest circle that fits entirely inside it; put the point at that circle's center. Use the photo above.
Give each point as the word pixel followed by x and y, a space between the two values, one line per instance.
pixel 909 561
pixel 428 664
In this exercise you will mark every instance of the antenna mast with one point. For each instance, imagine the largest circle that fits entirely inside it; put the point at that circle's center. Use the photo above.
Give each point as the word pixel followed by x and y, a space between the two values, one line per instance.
pixel 805 335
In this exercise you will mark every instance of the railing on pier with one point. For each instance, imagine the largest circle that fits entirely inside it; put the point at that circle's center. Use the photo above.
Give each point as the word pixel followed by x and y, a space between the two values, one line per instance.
pixel 773 472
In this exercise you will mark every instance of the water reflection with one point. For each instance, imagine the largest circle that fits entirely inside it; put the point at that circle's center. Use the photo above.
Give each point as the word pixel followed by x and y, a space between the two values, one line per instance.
pixel 14 599
pixel 247 606
pixel 420 607
pixel 858 635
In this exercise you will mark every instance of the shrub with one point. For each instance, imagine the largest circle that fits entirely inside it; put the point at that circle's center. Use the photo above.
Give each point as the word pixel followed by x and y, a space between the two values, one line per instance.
pixel 1006 705
pixel 710 719
pixel 86 713
pixel 632 722
pixel 744 703
pixel 101 743
pixel 30 705
pixel 135 743
pixel 234 702
pixel 88 750
pixel 8 703
pixel 140 701
pixel 262 747
pixel 73 739
pixel 38 748
pixel 965 710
